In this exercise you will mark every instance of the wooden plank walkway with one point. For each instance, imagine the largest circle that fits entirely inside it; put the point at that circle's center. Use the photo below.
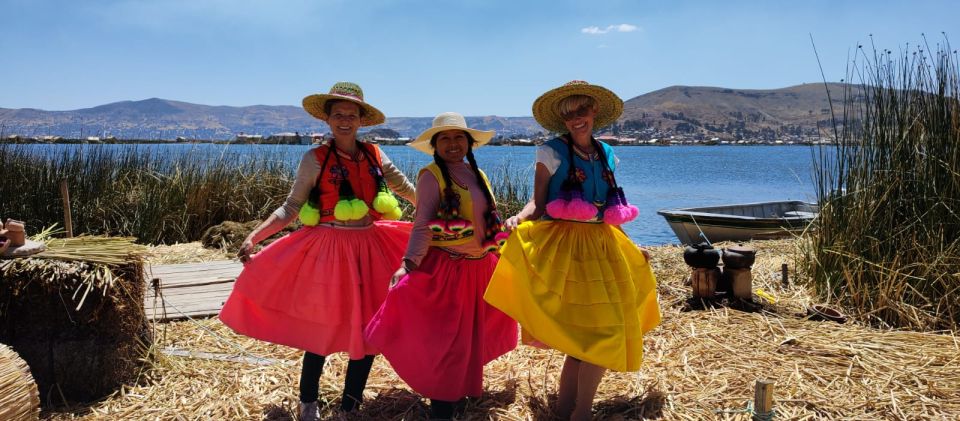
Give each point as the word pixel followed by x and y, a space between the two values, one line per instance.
pixel 189 289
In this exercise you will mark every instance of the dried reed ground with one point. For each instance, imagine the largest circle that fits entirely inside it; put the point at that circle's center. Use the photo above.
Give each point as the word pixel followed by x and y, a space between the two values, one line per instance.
pixel 698 365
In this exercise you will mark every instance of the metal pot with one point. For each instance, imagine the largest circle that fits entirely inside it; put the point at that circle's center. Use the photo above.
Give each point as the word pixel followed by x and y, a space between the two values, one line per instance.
pixel 701 255
pixel 739 257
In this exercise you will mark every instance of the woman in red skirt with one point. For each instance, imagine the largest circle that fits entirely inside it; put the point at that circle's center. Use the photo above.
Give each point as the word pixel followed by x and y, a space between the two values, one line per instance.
pixel 317 288
pixel 434 327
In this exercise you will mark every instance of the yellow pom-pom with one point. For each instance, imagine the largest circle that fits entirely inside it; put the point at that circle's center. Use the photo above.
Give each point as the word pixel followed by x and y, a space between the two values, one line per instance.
pixel 384 202
pixel 343 211
pixel 359 208
pixel 309 215
pixel 393 214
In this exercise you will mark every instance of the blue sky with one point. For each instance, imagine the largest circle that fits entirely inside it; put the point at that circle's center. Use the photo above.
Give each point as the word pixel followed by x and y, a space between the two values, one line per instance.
pixel 419 58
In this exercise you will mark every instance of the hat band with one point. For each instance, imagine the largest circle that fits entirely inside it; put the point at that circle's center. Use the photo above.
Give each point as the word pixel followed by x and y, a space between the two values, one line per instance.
pixel 348 95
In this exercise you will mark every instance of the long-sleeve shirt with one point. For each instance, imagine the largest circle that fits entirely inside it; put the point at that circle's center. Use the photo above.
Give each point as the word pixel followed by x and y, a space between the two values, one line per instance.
pixel 307 173
pixel 428 203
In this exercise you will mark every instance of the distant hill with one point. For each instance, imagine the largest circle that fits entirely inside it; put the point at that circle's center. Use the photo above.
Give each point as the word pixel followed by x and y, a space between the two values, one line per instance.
pixel 165 119
pixel 712 110
pixel 680 109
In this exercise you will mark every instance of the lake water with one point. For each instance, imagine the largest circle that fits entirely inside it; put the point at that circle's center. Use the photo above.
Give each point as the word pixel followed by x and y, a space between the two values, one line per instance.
pixel 652 177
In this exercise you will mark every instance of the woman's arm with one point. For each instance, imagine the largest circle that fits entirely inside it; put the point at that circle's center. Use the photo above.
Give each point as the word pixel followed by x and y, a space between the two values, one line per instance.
pixel 535 207
pixel 307 172
pixel 428 197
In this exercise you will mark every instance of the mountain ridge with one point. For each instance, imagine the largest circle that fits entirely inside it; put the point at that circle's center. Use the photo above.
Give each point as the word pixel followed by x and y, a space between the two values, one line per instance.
pixel 703 110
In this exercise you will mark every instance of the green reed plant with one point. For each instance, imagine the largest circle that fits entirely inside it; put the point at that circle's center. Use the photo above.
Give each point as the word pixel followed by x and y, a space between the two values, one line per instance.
pixel 887 239
pixel 160 199
pixel 134 192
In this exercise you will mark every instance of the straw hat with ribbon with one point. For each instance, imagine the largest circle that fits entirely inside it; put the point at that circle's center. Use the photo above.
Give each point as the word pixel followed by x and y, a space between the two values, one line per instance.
pixel 547 113
pixel 449 121
pixel 343 91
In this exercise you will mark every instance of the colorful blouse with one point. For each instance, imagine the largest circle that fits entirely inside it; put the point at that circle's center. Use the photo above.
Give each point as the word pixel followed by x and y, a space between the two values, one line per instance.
pixel 473 204
pixel 589 169
pixel 355 168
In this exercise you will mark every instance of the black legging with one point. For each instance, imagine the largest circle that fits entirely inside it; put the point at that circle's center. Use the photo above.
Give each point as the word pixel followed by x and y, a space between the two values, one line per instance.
pixel 445 410
pixel 355 382
pixel 441 410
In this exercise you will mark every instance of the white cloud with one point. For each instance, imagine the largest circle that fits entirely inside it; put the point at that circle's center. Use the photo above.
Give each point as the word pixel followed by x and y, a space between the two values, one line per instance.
pixel 596 30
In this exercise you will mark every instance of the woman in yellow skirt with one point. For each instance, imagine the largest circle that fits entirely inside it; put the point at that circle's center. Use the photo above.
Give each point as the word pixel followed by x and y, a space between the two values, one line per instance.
pixel 568 273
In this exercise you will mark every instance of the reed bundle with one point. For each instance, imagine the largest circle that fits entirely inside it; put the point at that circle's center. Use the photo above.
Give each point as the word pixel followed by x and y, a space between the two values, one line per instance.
pixel 19 400
pixel 75 314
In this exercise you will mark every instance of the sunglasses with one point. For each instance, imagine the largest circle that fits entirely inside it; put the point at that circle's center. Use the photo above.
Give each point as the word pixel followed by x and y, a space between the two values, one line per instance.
pixel 581 111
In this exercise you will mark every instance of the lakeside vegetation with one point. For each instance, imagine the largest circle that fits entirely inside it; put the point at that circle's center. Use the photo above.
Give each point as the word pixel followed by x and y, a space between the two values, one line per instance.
pixel 887 241
pixel 164 200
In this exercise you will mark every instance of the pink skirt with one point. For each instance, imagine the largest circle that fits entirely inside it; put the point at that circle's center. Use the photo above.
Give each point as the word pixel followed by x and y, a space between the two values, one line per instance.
pixel 317 288
pixel 436 330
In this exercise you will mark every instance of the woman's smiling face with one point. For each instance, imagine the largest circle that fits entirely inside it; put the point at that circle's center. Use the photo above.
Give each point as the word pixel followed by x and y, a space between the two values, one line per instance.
pixel 452 145
pixel 344 119
pixel 580 121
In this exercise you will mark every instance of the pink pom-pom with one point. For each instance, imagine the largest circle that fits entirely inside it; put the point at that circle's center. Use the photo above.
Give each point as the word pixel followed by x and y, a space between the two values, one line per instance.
pixel 557 209
pixel 619 214
pixel 581 210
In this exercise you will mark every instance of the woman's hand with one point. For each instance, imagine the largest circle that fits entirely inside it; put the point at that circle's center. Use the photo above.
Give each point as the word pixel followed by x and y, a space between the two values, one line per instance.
pixel 530 212
pixel 397 275
pixel 246 249
pixel 512 222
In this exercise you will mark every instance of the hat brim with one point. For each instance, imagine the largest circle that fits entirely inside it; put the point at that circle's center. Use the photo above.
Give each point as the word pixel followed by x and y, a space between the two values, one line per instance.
pixel 314 105
pixel 546 110
pixel 422 142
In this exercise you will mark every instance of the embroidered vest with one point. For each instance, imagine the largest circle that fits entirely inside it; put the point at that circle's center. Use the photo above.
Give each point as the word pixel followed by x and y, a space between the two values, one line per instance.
pixel 458 231
pixel 589 170
pixel 360 175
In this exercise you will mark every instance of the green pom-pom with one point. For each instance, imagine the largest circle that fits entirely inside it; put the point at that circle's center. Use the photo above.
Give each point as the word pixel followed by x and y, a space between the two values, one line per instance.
pixel 343 211
pixel 359 208
pixel 384 202
pixel 309 215
pixel 393 214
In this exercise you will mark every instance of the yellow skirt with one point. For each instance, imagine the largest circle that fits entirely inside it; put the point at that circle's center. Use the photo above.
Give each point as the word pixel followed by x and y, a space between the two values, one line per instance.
pixel 583 289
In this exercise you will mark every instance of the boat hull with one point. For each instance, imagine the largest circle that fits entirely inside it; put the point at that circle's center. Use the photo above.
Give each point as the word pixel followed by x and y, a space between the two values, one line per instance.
pixel 740 222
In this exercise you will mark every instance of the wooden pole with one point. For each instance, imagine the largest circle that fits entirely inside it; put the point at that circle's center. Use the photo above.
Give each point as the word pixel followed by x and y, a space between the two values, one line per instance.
pixel 784 275
pixel 763 400
pixel 67 218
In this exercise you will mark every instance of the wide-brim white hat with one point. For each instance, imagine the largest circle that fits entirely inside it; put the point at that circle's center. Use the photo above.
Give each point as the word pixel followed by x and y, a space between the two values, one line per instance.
pixel 343 91
pixel 449 121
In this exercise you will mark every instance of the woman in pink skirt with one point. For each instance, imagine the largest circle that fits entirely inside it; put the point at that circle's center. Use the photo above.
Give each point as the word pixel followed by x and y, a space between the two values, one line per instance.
pixel 434 327
pixel 317 288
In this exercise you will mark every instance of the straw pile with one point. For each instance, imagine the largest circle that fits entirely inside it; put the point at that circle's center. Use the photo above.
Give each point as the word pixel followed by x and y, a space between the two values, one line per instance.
pixel 699 364
pixel 19 400
pixel 75 314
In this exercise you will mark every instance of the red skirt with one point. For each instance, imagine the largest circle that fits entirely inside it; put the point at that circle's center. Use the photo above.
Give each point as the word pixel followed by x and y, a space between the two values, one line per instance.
pixel 436 330
pixel 317 288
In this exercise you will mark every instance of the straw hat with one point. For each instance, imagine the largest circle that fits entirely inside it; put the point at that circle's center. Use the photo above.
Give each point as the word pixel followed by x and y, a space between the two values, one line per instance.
pixel 546 112
pixel 449 121
pixel 345 91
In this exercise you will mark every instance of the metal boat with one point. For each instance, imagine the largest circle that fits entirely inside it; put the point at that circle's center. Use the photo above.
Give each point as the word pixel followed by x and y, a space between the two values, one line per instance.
pixel 739 222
